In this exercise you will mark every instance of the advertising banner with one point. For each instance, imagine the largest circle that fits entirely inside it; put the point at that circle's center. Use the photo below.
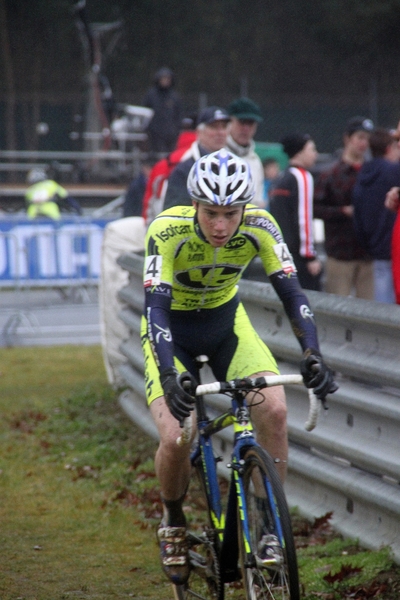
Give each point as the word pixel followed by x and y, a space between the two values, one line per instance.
pixel 45 252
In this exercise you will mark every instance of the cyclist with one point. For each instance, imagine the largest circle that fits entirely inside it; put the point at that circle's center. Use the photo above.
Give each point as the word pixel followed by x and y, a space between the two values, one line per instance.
pixel 194 259
pixel 45 197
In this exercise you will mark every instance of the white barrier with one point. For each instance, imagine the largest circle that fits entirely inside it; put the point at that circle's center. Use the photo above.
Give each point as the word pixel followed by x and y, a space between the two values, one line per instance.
pixel 50 253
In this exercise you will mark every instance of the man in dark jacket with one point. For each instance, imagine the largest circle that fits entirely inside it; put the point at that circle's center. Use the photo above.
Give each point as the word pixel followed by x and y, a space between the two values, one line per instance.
pixel 164 127
pixel 291 203
pixel 373 222
pixel 348 267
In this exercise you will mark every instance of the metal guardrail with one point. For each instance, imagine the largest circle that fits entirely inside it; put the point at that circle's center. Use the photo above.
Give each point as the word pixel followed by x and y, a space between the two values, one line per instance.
pixel 350 463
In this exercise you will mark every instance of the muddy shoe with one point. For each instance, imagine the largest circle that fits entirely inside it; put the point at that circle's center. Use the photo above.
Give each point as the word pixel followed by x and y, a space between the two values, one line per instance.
pixel 174 553
pixel 269 551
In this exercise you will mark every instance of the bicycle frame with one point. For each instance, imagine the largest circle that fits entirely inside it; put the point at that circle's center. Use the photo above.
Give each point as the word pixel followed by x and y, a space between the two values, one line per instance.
pixel 226 523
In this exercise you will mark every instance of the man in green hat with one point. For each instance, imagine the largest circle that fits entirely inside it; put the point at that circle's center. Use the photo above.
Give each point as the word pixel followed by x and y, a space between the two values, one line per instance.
pixel 245 117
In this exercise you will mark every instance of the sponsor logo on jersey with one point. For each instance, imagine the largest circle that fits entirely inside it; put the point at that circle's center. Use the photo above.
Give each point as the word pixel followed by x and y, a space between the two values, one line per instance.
pixel 264 223
pixel 196 251
pixel 164 290
pixel 164 333
pixel 208 276
pixel 195 246
pixel 172 231
pixel 235 243
pixel 306 313
pixel 196 257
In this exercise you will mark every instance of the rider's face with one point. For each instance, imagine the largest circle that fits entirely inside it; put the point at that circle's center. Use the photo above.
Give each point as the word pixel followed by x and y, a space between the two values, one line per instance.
pixel 218 223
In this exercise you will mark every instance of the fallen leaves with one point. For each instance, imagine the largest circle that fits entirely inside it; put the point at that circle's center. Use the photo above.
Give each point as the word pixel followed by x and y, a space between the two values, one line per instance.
pixel 26 421
pixel 314 533
pixel 345 572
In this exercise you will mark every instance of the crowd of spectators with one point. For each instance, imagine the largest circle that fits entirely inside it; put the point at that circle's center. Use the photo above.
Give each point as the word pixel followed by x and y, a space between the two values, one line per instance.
pixel 356 258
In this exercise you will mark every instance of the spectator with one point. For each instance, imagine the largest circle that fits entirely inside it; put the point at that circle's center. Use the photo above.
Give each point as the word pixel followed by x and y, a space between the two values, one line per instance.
pixel 153 200
pixel 46 198
pixel 133 204
pixel 271 171
pixel 163 129
pixel 245 117
pixel 291 203
pixel 348 265
pixel 372 220
pixel 211 136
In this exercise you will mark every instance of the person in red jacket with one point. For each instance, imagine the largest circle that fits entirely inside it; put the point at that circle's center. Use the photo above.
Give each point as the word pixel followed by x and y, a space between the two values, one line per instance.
pixel 155 189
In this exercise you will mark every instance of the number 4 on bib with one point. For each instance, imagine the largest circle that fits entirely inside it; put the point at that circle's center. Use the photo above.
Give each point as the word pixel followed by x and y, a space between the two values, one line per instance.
pixel 285 258
pixel 152 270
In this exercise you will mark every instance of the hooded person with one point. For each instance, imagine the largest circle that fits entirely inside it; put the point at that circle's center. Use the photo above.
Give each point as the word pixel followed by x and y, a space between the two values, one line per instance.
pixel 164 127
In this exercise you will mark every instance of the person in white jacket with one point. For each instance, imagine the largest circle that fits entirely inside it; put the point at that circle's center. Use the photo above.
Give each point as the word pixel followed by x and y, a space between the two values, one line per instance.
pixel 245 116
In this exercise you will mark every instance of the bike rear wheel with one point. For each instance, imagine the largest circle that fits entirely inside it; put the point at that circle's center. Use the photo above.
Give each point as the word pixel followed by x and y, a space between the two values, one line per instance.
pixel 267 514
pixel 205 581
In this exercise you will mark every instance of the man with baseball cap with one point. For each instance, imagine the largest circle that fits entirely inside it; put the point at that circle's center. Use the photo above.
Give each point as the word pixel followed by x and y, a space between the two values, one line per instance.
pixel 348 267
pixel 245 116
pixel 212 130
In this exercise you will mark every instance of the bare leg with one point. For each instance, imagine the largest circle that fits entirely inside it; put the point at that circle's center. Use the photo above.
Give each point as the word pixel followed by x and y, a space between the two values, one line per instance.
pixel 172 462
pixel 269 419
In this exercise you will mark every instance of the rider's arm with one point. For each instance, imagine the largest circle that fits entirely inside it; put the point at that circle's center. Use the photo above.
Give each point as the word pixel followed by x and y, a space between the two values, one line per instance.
pixel 157 312
pixel 157 282
pixel 297 308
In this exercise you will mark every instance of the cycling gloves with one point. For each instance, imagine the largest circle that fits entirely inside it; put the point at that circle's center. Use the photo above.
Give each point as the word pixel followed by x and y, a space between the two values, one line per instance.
pixel 179 401
pixel 316 374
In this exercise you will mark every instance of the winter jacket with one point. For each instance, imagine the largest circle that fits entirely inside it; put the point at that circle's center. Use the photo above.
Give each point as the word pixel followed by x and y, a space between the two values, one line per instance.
pixel 249 154
pixel 291 203
pixel 372 221
pixel 333 191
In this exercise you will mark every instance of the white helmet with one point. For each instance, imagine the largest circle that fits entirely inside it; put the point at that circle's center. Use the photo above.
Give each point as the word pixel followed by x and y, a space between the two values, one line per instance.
pixel 221 179
pixel 35 175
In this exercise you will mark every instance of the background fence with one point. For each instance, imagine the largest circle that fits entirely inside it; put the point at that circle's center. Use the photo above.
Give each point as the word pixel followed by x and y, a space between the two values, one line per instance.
pixel 324 117
pixel 350 463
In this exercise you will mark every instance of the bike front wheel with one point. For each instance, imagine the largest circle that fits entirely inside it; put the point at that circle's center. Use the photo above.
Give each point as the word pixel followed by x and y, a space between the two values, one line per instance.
pixel 274 574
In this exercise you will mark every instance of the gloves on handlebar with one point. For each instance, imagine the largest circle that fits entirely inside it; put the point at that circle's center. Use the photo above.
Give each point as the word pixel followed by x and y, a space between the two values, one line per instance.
pixel 316 374
pixel 179 390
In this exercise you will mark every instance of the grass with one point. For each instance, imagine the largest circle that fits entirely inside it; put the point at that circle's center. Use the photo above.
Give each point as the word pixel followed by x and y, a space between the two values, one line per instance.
pixel 67 455
pixel 80 503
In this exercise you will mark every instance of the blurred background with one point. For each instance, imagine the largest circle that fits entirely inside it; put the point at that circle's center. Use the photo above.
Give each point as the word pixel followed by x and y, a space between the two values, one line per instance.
pixel 309 65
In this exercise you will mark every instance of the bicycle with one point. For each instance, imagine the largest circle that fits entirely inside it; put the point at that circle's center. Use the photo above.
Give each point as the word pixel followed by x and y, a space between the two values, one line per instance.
pixel 225 548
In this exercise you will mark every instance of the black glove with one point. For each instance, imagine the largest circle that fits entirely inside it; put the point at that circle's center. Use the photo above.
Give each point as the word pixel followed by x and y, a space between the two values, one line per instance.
pixel 179 401
pixel 316 374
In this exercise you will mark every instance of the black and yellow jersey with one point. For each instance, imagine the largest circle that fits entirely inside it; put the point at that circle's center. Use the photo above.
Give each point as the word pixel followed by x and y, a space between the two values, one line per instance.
pixel 183 272
pixel 200 275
